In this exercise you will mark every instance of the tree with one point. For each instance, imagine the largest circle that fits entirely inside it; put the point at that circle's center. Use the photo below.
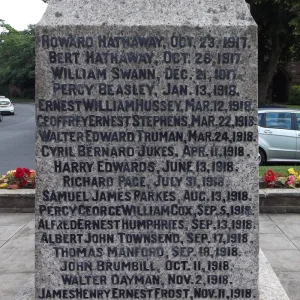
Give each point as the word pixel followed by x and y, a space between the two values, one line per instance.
pixel 278 37
pixel 17 56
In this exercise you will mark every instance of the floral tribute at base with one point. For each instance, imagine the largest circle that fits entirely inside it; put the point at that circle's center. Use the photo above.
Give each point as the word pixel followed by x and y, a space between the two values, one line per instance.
pixel 21 178
pixel 277 180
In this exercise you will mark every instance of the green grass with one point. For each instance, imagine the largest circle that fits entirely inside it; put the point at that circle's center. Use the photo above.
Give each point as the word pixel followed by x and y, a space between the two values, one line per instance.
pixel 293 106
pixel 21 100
pixel 285 105
pixel 278 168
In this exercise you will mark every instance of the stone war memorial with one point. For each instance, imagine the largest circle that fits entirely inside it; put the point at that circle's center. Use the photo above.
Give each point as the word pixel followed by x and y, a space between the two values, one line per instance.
pixel 146 116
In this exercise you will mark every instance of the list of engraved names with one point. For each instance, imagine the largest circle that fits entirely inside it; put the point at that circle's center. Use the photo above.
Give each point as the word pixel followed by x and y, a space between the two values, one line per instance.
pixel 146 139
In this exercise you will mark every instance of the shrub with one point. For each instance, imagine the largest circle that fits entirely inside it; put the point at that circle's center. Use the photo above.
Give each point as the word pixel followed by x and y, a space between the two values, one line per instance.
pixel 4 90
pixel 294 97
pixel 28 94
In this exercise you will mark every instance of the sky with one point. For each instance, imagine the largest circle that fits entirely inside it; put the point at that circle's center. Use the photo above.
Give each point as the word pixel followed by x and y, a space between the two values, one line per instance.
pixel 20 13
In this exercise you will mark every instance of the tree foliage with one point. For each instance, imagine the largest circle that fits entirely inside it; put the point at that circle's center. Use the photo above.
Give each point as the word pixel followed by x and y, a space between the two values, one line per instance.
pixel 17 56
pixel 278 37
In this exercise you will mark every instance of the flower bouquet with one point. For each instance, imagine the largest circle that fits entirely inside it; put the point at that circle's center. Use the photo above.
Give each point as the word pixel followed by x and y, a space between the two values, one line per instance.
pixel 21 178
pixel 277 180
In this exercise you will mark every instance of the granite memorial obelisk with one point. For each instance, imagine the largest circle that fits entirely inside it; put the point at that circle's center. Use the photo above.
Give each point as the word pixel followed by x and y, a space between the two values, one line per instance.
pixel 146 115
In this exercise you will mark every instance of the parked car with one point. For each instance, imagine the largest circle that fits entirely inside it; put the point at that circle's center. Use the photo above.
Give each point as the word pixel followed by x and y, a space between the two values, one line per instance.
pixel 6 106
pixel 1 117
pixel 279 135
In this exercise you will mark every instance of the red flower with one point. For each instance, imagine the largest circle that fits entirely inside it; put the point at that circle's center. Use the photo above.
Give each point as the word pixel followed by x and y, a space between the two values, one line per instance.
pixel 19 173
pixel 23 183
pixel 22 174
pixel 27 171
pixel 270 176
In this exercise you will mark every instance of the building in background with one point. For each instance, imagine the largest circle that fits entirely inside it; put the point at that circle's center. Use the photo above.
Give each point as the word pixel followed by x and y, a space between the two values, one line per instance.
pixel 287 75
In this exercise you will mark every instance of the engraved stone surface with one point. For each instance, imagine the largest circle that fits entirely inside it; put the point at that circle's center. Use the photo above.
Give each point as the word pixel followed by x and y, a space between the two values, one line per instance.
pixel 146 149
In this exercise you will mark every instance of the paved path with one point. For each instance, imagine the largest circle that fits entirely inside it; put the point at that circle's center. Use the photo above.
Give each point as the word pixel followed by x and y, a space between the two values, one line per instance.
pixel 280 242
pixel 16 254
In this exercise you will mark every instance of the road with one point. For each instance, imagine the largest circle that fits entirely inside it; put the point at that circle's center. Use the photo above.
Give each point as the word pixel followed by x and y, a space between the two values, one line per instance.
pixel 17 139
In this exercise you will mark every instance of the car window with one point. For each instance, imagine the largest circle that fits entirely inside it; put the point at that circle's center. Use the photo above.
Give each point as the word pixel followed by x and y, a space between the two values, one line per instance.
pixel 260 117
pixel 279 120
pixel 298 120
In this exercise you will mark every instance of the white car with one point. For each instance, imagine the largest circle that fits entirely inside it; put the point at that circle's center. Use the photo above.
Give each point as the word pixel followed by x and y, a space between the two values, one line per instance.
pixel 6 106
pixel 279 135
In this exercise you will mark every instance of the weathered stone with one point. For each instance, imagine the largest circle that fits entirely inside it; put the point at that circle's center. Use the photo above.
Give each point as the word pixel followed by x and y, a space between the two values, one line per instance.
pixel 147 150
